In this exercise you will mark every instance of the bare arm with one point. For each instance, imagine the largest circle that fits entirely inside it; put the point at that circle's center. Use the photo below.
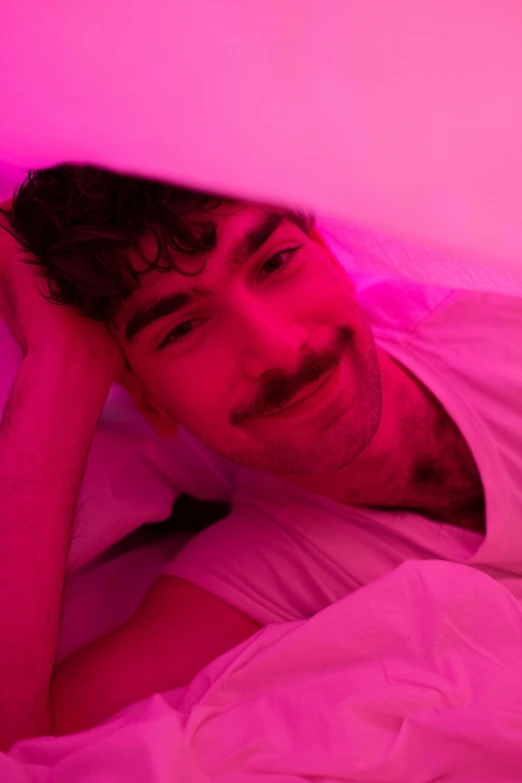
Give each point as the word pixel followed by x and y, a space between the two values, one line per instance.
pixel 178 629
pixel 45 436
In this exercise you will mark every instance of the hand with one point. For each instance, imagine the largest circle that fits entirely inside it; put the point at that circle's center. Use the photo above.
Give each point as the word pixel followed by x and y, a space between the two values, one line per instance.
pixel 39 325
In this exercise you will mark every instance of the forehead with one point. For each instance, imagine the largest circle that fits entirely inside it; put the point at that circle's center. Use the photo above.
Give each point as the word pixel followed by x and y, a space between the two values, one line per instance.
pixel 232 221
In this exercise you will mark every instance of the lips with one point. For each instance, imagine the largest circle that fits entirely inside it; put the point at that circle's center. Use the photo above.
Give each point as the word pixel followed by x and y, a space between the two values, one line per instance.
pixel 307 396
pixel 309 390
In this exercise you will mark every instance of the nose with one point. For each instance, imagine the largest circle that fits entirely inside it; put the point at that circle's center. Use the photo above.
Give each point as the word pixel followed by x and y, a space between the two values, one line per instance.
pixel 270 340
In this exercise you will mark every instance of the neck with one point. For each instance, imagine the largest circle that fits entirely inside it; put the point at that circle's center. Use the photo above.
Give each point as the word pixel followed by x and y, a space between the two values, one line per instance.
pixel 418 460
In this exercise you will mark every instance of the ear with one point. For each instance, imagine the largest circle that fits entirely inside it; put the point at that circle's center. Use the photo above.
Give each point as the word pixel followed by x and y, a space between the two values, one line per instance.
pixel 162 422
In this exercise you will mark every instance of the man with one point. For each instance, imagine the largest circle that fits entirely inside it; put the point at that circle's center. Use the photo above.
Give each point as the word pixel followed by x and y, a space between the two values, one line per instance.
pixel 236 321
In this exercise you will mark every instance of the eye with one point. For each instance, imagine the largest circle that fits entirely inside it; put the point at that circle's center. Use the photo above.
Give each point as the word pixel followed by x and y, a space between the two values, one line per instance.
pixel 280 259
pixel 179 333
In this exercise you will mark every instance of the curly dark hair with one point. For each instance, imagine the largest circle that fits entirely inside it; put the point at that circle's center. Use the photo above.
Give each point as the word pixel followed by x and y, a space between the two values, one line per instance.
pixel 80 224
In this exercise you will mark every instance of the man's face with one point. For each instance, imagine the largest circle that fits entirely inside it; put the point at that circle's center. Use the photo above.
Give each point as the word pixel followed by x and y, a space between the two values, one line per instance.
pixel 264 355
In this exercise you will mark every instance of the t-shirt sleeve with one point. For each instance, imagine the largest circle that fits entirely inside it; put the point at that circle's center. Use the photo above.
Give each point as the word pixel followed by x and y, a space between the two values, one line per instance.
pixel 258 561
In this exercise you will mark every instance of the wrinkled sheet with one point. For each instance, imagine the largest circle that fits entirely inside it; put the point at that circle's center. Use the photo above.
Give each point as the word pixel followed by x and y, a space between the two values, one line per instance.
pixel 414 678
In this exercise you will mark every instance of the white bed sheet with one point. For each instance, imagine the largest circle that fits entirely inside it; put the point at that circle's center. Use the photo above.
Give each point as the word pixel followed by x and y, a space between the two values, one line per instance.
pixel 414 678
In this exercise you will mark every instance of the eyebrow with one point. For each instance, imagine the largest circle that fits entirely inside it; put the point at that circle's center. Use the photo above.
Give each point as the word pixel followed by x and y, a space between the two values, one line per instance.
pixel 254 240
pixel 241 252
pixel 167 305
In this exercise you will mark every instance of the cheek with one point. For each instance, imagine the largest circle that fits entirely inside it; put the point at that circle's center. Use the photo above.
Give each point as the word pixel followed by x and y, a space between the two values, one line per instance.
pixel 195 387
pixel 325 296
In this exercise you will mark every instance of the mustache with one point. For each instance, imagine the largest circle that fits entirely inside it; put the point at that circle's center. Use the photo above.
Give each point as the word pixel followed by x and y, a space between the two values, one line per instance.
pixel 279 391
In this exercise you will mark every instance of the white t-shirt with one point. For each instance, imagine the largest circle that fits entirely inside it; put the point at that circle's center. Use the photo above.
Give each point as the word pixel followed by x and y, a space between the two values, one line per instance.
pixel 284 553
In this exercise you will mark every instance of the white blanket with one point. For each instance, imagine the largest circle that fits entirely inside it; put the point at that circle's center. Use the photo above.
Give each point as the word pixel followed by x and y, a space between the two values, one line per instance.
pixel 414 678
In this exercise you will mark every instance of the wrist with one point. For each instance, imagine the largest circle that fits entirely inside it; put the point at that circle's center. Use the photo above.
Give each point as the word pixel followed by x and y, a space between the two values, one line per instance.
pixel 65 366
